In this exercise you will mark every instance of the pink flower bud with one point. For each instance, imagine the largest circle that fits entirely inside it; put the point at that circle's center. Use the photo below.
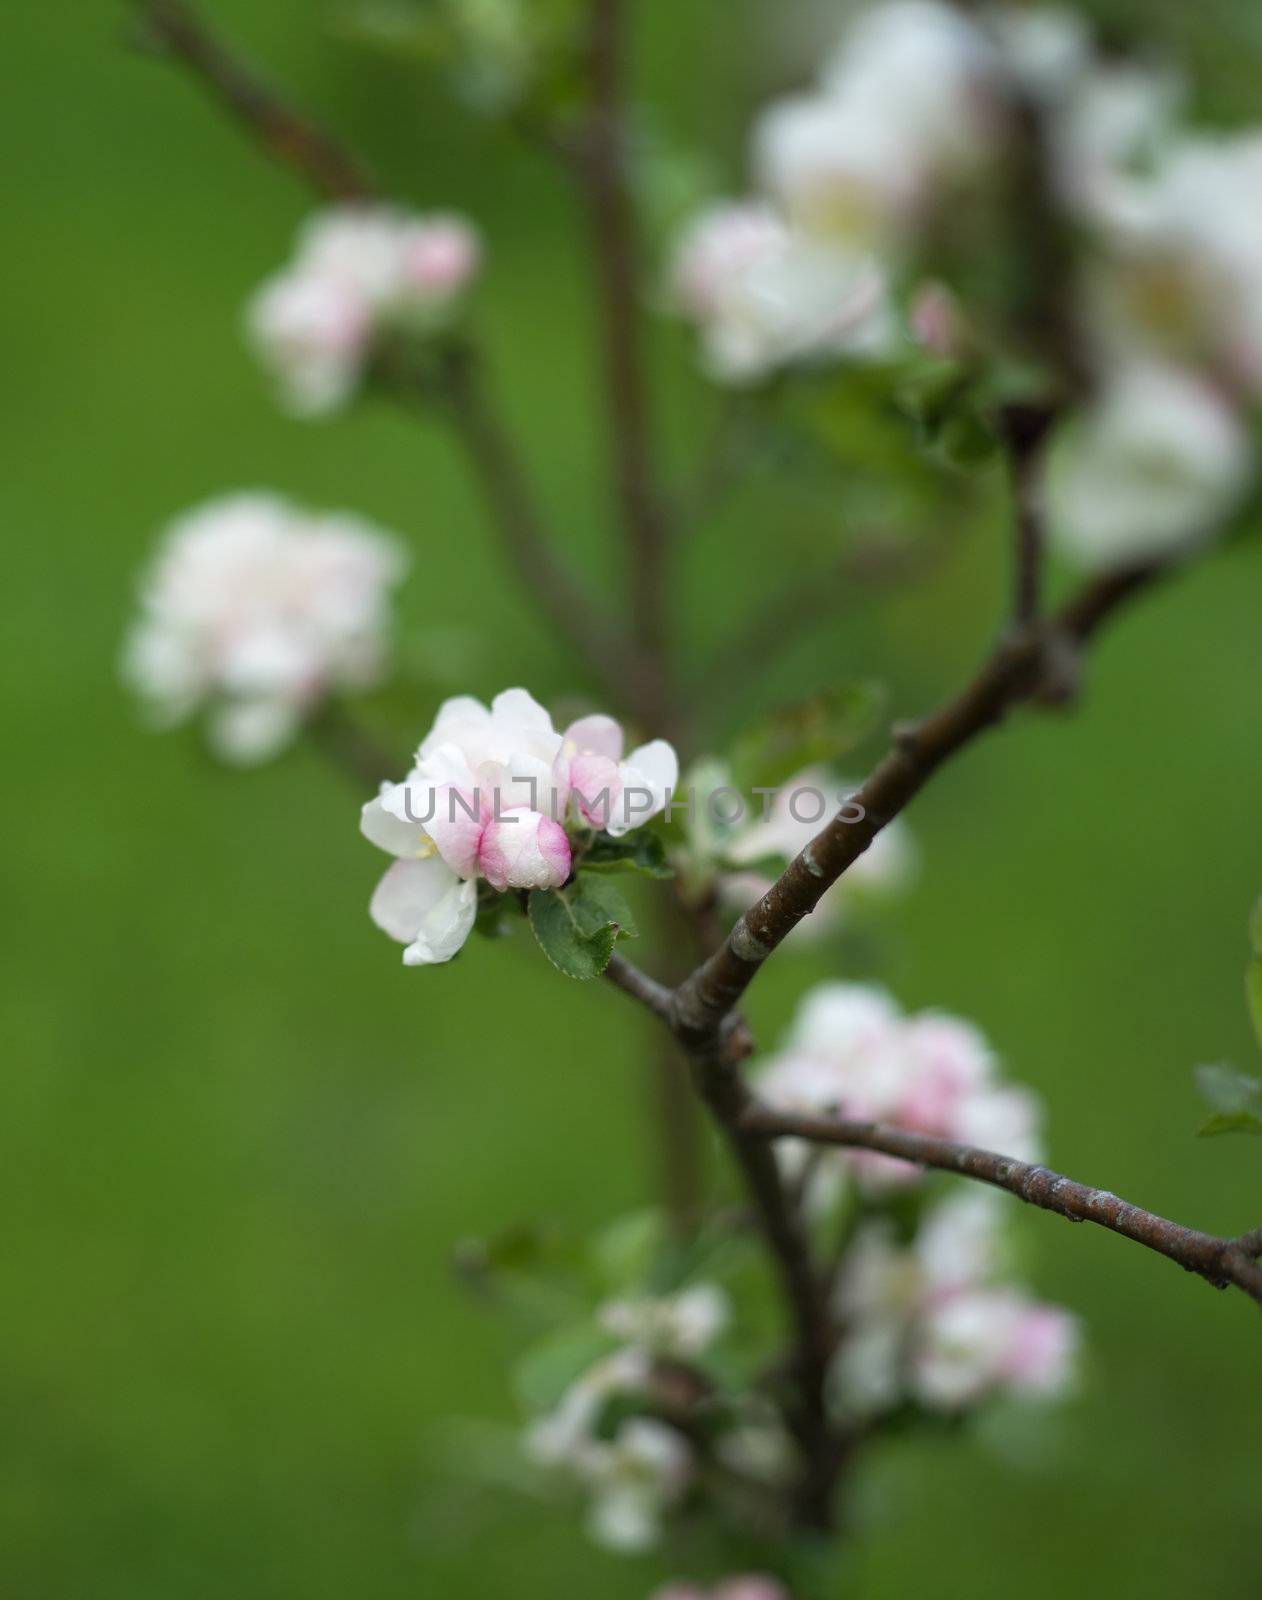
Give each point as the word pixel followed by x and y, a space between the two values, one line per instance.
pixel 523 849
pixel 438 258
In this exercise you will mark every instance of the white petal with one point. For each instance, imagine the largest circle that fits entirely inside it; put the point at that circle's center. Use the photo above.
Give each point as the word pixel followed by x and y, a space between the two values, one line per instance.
pixel 390 832
pixel 424 905
pixel 246 731
pixel 518 707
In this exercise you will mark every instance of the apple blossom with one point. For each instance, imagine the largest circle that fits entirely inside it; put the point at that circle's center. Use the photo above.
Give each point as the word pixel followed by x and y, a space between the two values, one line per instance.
pixel 907 101
pixel 930 1321
pixel 633 1476
pixel 766 296
pixel 256 609
pixel 487 798
pixel 675 1326
pixel 745 1586
pixel 1158 461
pixel 851 1052
pixel 357 271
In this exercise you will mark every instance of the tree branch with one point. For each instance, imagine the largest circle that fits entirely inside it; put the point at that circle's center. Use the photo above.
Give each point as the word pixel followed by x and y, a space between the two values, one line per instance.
pixel 509 499
pixel 626 976
pixel 1218 1261
pixel 602 168
pixel 1011 674
pixel 177 30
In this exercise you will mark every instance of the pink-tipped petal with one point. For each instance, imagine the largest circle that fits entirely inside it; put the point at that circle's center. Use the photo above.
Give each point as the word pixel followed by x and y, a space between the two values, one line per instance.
pixel 456 828
pixel 595 787
pixel 523 849
pixel 595 736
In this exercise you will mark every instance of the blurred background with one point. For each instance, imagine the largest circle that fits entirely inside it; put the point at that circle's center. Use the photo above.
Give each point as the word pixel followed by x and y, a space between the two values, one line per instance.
pixel 239 1141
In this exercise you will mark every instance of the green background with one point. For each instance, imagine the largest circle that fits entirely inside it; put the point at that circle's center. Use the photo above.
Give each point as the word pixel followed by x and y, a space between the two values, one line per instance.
pixel 238 1140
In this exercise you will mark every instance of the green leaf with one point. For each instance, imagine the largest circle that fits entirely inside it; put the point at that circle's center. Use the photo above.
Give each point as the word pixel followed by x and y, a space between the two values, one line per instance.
pixel 578 926
pixel 549 1367
pixel 640 851
pixel 821 728
pixel 1234 1097
pixel 1253 975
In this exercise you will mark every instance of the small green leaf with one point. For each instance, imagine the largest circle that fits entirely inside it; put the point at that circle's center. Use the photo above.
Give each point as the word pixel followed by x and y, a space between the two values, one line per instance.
pixel 821 728
pixel 578 926
pixel 1253 975
pixel 1234 1097
pixel 548 1368
pixel 640 851
pixel 1230 1122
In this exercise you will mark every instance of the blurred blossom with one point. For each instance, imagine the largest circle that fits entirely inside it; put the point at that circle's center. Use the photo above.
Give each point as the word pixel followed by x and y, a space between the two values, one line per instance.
pixel 851 1052
pixel 930 1321
pixel 746 1586
pixel 357 272
pixel 632 1476
pixel 884 869
pixel 1158 460
pixel 488 798
pixel 906 102
pixel 766 296
pixel 673 1326
pixel 256 609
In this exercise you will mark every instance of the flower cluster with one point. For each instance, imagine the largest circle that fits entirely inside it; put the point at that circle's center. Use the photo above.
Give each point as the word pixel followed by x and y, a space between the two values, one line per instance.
pixel 488 799
pixel 604 1435
pixel 852 1053
pixel 357 272
pixel 848 174
pixel 932 1322
pixel 914 123
pixel 257 609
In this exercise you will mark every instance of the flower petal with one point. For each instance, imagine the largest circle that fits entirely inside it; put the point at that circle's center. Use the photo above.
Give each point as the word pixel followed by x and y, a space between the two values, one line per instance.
pixel 425 906
pixel 595 736
pixel 524 850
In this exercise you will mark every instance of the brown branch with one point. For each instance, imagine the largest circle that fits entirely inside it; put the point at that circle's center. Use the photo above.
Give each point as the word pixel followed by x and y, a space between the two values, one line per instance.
pixel 1025 429
pixel 628 977
pixel 1218 1261
pixel 1011 675
pixel 1250 1244
pixel 177 30
pixel 510 501
pixel 602 169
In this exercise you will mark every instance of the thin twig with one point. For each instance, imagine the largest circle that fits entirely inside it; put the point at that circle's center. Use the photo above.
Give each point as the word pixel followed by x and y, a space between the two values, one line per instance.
pixel 1218 1261
pixel 628 977
pixel 602 168
pixel 510 501
pixel 1250 1244
pixel 288 136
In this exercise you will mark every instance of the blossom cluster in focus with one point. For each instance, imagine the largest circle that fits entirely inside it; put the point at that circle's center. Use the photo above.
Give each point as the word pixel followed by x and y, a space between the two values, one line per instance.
pixel 488 799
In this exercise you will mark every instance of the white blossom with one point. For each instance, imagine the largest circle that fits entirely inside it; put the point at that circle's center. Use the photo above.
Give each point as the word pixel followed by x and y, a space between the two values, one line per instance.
pixel 1159 460
pixel 488 797
pixel 356 272
pixel 256 609
pixel 677 1326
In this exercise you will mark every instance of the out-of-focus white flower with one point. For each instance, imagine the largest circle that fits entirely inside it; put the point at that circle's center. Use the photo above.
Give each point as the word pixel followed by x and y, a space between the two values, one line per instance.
pixel 488 796
pixel 852 1053
pixel 1183 275
pixel 978 1341
pixel 356 271
pixel 799 809
pixel 907 101
pixel 634 1480
pixel 744 1586
pixel 930 1322
pixel 1045 49
pixel 257 609
pixel 679 1325
pixel 1158 461
pixel 633 1477
pixel 765 296
pixel 1110 131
